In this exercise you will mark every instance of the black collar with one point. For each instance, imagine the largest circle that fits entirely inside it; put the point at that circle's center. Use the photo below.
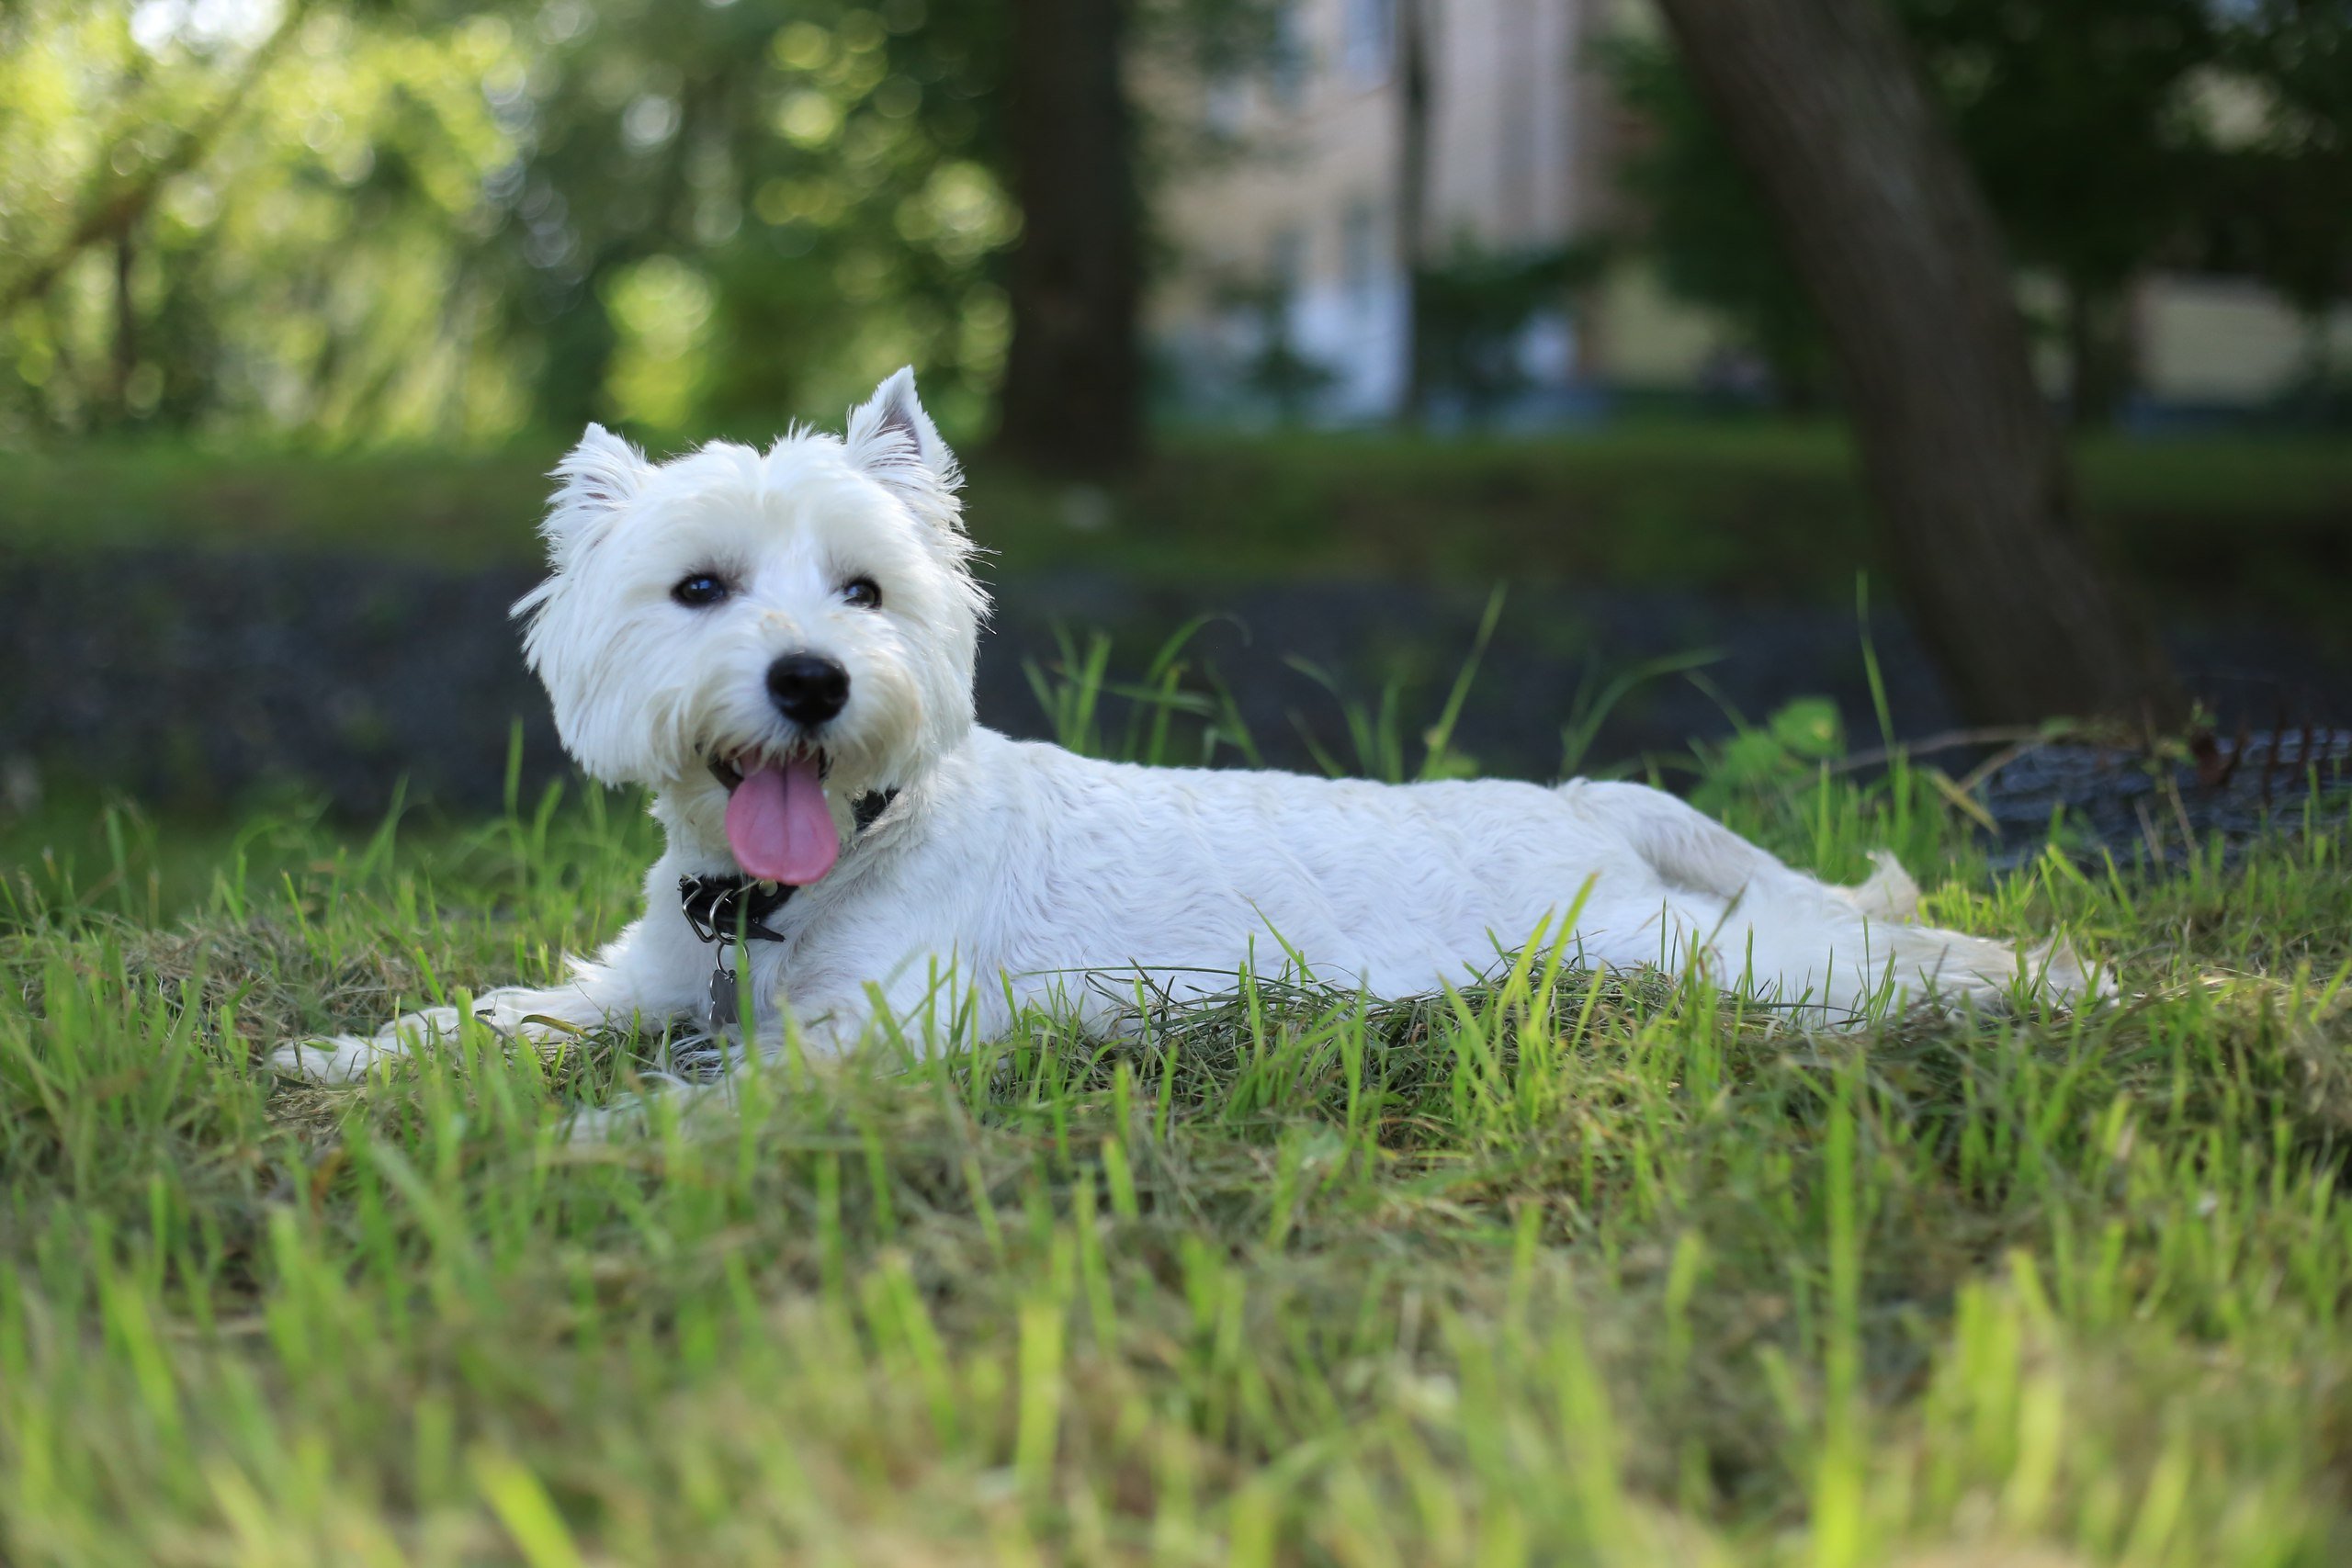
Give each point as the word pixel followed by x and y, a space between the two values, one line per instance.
pixel 719 907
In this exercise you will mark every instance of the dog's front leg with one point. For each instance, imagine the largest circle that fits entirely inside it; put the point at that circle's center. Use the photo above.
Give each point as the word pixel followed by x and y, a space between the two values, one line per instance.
pixel 818 1027
pixel 621 986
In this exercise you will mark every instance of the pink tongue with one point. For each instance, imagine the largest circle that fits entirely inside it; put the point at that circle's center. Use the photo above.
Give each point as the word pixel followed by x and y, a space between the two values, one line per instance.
pixel 779 825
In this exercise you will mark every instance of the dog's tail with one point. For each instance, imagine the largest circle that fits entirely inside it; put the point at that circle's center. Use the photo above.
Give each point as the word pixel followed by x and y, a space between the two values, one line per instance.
pixel 1836 948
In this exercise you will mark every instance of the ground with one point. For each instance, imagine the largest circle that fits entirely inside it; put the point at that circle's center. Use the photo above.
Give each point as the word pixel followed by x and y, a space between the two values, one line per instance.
pixel 1762 507
pixel 1562 1267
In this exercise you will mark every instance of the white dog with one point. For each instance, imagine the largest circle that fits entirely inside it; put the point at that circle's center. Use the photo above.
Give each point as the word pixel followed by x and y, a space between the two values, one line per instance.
pixel 780 645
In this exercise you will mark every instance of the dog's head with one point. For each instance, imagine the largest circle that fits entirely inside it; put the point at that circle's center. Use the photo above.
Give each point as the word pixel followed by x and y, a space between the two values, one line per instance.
pixel 763 637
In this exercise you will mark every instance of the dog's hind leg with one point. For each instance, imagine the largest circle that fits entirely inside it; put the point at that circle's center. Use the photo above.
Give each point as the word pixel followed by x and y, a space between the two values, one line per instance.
pixel 1888 894
pixel 1834 947
pixel 1692 851
pixel 1689 850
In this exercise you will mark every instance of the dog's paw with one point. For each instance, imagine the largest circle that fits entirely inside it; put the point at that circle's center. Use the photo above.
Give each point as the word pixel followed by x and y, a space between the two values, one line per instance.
pixel 340 1059
pixel 346 1058
pixel 1888 894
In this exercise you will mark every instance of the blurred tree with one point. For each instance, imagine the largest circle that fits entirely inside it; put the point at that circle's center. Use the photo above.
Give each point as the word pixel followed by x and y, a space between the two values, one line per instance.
pixel 369 219
pixel 1465 302
pixel 1083 151
pixel 1414 43
pixel 1073 381
pixel 238 215
pixel 1703 223
pixel 809 193
pixel 2082 120
pixel 1277 374
pixel 1471 306
pixel 123 186
pixel 727 215
pixel 1894 242
pixel 2280 200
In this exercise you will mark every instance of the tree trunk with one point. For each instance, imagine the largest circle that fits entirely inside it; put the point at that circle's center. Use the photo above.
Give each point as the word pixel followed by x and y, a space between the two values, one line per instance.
pixel 1073 402
pixel 1885 225
pixel 126 325
pixel 1413 197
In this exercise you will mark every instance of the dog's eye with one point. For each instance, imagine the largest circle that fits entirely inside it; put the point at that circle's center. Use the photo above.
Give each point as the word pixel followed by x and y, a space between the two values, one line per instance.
pixel 863 593
pixel 699 589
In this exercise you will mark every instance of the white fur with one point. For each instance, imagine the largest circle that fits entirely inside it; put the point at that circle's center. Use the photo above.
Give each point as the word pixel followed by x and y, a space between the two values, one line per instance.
pixel 1010 872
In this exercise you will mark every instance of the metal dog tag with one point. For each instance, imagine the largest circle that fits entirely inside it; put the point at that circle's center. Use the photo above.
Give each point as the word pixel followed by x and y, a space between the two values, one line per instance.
pixel 724 996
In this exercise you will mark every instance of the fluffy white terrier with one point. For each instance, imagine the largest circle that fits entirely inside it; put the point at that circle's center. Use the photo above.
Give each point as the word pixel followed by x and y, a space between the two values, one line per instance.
pixel 780 645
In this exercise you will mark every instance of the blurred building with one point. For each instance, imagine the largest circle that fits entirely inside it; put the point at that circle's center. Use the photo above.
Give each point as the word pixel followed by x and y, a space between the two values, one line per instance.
pixel 1287 299
pixel 1290 290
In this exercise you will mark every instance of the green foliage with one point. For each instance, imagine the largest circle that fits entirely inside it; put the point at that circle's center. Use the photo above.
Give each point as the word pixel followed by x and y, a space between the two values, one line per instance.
pixel 1471 306
pixel 2108 135
pixel 726 214
pixel 1703 225
pixel 1784 752
pixel 2297 156
pixel 2085 123
pixel 1278 374
pixel 1177 715
pixel 2082 120
pixel 215 218
pixel 2278 209
pixel 357 220
pixel 1174 716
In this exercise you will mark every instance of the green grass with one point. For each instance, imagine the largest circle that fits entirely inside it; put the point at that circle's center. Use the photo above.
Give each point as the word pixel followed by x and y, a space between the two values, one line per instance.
pixel 1757 506
pixel 1562 1269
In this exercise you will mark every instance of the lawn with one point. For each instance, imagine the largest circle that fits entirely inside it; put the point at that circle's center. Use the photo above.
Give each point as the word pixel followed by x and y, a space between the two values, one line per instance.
pixel 1769 507
pixel 1563 1267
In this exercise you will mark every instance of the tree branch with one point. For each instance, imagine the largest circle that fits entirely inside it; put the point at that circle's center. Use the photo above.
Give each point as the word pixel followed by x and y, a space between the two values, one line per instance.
pixel 112 214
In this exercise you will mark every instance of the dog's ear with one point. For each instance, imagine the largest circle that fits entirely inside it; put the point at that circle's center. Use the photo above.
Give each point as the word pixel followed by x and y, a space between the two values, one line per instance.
pixel 891 439
pixel 594 480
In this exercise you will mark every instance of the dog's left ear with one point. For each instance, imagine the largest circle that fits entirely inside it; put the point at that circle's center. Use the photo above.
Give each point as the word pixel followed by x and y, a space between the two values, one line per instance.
pixel 891 439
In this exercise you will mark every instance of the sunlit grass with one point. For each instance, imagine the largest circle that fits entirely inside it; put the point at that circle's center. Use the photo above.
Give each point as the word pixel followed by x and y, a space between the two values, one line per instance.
pixel 1563 1267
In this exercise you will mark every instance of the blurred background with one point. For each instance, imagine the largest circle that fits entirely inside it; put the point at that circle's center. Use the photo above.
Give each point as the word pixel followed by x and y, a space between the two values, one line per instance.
pixel 1324 319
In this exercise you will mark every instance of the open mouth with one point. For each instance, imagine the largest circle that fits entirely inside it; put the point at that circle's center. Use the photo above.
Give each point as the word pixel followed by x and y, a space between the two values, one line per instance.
pixel 729 771
pixel 779 824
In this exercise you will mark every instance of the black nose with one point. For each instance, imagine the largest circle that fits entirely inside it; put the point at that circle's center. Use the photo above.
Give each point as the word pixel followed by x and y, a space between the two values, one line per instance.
pixel 807 689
